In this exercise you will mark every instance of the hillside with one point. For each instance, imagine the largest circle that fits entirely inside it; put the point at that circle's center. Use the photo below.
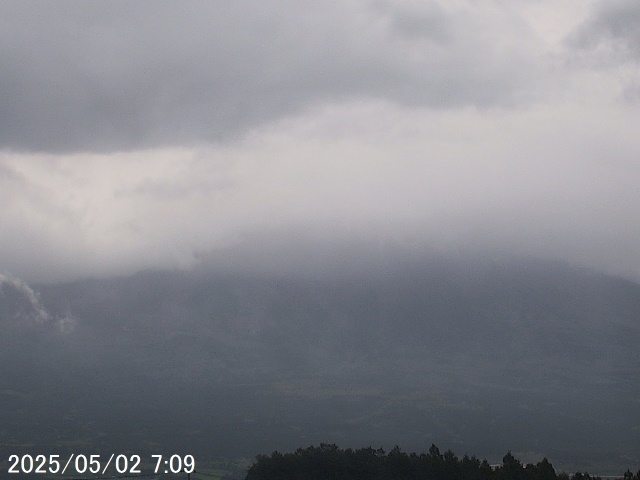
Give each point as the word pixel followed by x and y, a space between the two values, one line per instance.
pixel 480 356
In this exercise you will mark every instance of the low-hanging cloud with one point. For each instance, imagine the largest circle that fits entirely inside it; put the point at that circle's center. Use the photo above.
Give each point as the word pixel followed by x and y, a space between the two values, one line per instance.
pixel 21 305
pixel 409 175
pixel 36 311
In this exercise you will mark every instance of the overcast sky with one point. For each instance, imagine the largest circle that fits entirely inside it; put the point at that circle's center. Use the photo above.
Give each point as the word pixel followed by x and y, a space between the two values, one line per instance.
pixel 151 134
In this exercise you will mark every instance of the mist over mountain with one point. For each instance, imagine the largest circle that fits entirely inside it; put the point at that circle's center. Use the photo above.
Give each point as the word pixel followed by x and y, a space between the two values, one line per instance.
pixel 477 354
pixel 234 227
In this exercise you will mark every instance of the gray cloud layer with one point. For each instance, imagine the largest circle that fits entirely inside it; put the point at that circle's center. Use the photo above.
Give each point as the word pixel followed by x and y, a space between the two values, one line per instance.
pixel 108 76
pixel 157 134
pixel 616 23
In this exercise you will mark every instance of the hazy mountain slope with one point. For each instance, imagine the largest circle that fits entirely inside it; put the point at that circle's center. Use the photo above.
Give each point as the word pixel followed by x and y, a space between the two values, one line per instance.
pixel 482 356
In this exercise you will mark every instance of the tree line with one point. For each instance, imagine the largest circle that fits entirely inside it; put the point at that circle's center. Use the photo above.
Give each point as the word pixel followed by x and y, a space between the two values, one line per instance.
pixel 328 462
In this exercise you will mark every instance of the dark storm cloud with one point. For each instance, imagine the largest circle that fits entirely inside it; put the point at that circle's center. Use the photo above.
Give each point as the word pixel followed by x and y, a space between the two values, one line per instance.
pixel 614 25
pixel 108 76
pixel 609 38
